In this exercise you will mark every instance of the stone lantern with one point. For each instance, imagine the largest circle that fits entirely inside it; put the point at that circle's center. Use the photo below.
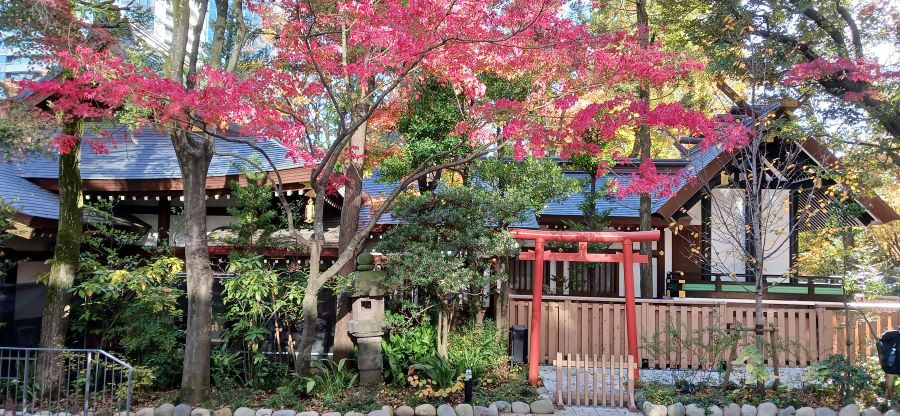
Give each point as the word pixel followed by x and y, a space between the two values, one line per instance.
pixel 367 318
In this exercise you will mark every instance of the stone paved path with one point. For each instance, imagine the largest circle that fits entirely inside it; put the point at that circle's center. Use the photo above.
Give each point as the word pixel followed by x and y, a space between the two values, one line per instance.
pixel 598 411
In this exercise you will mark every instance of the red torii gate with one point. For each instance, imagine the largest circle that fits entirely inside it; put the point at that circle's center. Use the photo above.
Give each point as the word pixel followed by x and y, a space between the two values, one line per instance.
pixel 626 257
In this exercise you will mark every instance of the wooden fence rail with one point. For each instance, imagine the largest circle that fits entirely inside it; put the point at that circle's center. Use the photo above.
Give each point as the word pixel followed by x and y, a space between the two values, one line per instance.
pixel 590 381
pixel 809 333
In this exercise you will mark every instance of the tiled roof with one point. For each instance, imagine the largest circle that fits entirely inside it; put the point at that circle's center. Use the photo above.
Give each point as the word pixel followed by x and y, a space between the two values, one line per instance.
pixel 146 154
pixel 149 154
pixel 26 197
pixel 373 188
pixel 627 207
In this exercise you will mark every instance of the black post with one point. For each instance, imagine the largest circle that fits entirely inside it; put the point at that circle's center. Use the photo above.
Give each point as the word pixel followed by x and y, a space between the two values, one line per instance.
pixel 468 384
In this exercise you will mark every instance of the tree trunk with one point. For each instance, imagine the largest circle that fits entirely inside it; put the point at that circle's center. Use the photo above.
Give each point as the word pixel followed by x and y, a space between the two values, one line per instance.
pixel 194 156
pixel 343 345
pixel 55 319
pixel 443 331
pixel 502 308
pixel 310 310
pixel 643 139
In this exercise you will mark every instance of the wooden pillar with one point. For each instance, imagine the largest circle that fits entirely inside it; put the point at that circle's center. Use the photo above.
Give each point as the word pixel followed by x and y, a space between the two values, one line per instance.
pixel 163 221
pixel 534 332
pixel 706 233
pixel 630 307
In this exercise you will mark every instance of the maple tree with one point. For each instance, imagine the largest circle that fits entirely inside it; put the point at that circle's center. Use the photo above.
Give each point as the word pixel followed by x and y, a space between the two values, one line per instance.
pixel 360 59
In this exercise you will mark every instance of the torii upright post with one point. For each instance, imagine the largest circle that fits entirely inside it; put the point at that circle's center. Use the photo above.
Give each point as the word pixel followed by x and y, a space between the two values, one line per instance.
pixel 626 257
pixel 537 291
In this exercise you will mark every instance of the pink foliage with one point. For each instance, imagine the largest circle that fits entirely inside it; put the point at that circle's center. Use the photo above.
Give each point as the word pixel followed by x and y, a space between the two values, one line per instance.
pixel 859 70
pixel 395 43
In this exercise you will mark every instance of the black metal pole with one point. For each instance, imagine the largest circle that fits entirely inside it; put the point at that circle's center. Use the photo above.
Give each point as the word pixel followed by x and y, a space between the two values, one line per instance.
pixel 468 384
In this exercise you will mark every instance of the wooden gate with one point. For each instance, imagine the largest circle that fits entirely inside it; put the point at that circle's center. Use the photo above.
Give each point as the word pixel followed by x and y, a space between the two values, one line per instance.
pixel 595 381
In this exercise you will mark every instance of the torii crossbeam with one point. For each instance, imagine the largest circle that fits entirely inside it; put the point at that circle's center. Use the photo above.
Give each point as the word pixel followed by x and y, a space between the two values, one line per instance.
pixel 626 257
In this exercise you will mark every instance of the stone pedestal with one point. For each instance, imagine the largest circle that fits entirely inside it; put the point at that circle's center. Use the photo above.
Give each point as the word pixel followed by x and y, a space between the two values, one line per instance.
pixel 367 323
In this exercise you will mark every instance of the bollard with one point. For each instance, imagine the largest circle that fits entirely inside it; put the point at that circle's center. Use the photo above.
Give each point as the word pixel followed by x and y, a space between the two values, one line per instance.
pixel 468 386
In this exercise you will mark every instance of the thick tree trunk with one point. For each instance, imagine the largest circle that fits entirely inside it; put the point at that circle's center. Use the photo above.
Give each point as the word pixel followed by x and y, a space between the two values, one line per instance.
pixel 343 345
pixel 194 156
pixel 643 139
pixel 54 322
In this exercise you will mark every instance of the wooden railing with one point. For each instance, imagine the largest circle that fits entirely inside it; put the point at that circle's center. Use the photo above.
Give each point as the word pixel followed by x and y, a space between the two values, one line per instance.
pixel 680 284
pixel 587 326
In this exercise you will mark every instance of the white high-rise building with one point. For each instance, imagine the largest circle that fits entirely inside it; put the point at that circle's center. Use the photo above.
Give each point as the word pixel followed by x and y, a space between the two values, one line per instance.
pixel 157 32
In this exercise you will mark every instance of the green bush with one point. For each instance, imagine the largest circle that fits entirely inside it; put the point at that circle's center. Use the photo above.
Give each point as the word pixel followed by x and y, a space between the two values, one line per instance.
pixel 481 348
pixel 836 374
pixel 330 379
pixel 435 377
pixel 404 347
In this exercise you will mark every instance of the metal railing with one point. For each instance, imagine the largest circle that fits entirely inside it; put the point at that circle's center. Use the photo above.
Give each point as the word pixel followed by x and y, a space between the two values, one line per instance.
pixel 76 381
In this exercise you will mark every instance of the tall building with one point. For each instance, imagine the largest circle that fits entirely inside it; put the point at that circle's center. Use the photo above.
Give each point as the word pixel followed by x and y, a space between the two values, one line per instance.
pixel 157 32
pixel 15 66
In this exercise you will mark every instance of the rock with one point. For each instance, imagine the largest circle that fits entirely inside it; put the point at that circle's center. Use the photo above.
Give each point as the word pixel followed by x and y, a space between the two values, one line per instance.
pixel 748 410
pixel 715 411
pixel 165 409
pixel 730 410
pixel 891 412
pixel 225 411
pixel 520 408
pixel 543 390
pixel 465 409
pixel 824 411
pixel 261 412
pixel 311 413
pixel 694 410
pixel 147 411
pixel 401 411
pixel 849 410
pixel 805 411
pixel 656 410
pixel 767 409
pixel 114 414
pixel 486 411
pixel 332 414
pixel 787 411
pixel 542 407
pixel 502 406
pixel 200 412
pixel 354 414
pixel 69 414
pixel 244 411
pixel 183 410
pixel 675 409
pixel 379 412
pixel 871 412
pixel 387 409
pixel 425 410
pixel 284 412
pixel 445 410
